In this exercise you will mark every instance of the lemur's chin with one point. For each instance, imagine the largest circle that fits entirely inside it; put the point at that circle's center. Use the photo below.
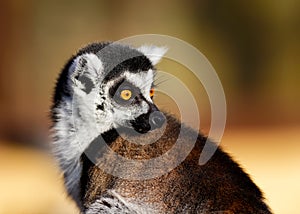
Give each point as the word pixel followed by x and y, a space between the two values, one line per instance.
pixel 141 130
pixel 132 131
pixel 143 124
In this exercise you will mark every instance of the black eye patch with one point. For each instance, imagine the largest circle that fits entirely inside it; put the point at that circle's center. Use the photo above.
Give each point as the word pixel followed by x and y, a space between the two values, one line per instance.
pixel 124 93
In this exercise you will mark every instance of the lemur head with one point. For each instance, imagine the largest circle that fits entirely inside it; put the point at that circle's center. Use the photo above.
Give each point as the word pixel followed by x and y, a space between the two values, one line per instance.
pixel 108 85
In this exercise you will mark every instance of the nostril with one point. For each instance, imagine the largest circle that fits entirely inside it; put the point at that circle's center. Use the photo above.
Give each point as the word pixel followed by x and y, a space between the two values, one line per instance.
pixel 157 119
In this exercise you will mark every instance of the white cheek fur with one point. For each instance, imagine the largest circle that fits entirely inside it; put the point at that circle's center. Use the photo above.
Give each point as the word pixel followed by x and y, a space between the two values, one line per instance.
pixel 124 114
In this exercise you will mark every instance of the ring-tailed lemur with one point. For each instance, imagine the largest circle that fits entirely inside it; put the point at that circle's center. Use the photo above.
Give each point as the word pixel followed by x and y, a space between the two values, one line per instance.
pixel 106 89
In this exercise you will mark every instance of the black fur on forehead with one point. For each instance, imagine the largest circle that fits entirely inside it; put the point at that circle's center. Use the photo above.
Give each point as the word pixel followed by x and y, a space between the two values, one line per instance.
pixel 116 58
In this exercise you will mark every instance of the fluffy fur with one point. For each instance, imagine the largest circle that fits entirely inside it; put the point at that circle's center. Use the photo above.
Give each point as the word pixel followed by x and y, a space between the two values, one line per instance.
pixel 85 110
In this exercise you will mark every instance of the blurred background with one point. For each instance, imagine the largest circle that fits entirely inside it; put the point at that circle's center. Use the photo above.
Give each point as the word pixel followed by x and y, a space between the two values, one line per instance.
pixel 253 45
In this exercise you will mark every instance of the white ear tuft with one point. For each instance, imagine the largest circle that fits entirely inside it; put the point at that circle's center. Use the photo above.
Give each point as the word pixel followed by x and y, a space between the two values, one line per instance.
pixel 153 52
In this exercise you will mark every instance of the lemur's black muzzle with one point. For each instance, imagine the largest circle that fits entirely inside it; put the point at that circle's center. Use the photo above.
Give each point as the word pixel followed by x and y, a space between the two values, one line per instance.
pixel 153 119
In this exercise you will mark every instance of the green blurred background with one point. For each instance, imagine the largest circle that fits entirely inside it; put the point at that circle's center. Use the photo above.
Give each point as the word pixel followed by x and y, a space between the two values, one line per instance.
pixel 253 45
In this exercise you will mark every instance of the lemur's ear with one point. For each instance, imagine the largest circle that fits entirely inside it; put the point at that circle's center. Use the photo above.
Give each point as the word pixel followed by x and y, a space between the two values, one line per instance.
pixel 85 71
pixel 153 52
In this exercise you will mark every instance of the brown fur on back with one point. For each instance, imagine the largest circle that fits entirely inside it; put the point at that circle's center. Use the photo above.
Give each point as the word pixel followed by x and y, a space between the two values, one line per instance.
pixel 219 185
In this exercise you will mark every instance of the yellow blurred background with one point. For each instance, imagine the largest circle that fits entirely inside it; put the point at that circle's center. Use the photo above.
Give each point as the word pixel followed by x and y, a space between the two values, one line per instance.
pixel 253 45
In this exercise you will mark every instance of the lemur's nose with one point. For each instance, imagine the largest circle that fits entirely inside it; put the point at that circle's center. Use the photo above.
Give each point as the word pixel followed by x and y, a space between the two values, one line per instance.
pixel 157 119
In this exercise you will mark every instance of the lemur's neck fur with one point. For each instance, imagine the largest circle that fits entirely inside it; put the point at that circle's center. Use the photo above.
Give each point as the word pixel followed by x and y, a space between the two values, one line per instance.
pixel 69 144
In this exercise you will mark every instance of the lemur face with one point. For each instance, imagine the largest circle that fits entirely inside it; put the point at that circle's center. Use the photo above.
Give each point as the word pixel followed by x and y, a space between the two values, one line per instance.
pixel 118 97
pixel 131 105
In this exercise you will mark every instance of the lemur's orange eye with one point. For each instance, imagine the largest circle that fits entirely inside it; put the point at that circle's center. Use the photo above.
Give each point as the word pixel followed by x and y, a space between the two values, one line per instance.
pixel 151 92
pixel 126 94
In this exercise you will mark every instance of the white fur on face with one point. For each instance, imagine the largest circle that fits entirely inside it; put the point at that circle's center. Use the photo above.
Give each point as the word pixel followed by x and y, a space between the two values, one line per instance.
pixel 84 102
pixel 122 115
